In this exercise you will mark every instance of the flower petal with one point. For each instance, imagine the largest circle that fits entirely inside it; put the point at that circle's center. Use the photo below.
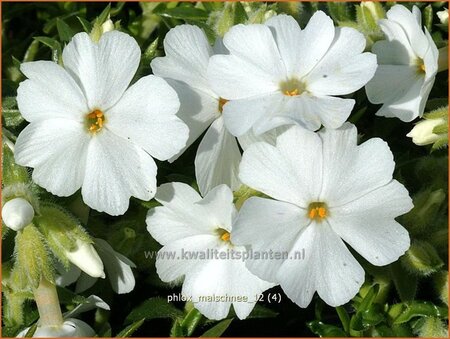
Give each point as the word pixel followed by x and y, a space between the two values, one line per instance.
pixel 50 92
pixel 267 225
pixel 118 267
pixel 351 171
pixel 198 110
pixel 146 115
pixel 328 268
pixel 180 216
pixel 287 35
pixel 56 149
pixel 315 40
pixel 187 56
pixel 219 204
pixel 115 170
pixel 103 70
pixel 367 224
pixel 217 159
pixel 282 172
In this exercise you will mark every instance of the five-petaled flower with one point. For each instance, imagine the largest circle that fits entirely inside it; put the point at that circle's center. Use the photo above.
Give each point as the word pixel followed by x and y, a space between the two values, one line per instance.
pixel 88 130
pixel 408 63
pixel 277 74
pixel 326 190
pixel 188 224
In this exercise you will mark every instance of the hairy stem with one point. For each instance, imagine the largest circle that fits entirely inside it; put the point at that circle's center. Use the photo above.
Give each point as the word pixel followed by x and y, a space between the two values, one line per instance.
pixel 48 304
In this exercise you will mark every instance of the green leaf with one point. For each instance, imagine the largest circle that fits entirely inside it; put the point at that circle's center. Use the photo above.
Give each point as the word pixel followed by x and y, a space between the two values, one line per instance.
pixel 325 330
pixel 87 26
pixel 64 31
pixel 154 308
pixel 217 330
pixel 11 113
pixel 261 312
pixel 151 52
pixel 190 321
pixel 183 13
pixel 405 283
pixel 104 15
pixel 428 17
pixel 409 310
pixel 129 330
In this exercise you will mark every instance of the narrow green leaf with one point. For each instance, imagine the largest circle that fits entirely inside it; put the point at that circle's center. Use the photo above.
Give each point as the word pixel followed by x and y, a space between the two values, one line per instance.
pixel 217 330
pixel 325 330
pixel 64 31
pixel 129 330
pixel 190 321
pixel 154 308
pixel 183 13
pixel 87 26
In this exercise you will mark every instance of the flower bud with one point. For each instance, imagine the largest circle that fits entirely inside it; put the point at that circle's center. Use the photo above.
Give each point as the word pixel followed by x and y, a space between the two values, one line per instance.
pixel 422 258
pixel 71 328
pixel 107 26
pixel 17 213
pixel 443 16
pixel 422 133
pixel 86 258
pixel 375 9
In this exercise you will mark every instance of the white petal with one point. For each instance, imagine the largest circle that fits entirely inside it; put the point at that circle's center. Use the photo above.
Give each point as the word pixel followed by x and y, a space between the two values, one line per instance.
pixel 267 225
pixel 181 256
pixel 367 224
pixel 240 115
pixel 217 159
pixel 118 267
pixel 255 43
pixel 219 204
pixel 50 92
pixel 391 53
pixel 104 69
pixel 351 171
pixel 90 303
pixel 282 172
pixel 286 33
pixel 234 78
pixel 270 137
pixel 328 268
pixel 146 115
pixel 211 278
pixel 398 39
pixel 198 110
pixel 343 77
pixel 116 169
pixel 66 277
pixel 391 83
pixel 187 56
pixel 56 149
pixel 84 282
pixel 315 40
pixel 408 21
pixel 180 216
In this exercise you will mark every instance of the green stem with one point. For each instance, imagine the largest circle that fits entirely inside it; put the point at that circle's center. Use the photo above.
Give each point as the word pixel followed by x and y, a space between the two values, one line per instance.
pixel 344 317
pixel 48 304
pixel 443 59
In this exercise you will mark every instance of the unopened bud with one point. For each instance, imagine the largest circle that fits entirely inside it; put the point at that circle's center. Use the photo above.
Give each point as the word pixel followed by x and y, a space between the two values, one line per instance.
pixel 422 133
pixel 72 328
pixel 17 213
pixel 107 26
pixel 443 16
pixel 86 258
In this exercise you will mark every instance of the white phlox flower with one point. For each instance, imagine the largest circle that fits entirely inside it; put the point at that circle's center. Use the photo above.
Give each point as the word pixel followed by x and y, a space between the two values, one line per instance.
pixel 188 226
pixel 408 63
pixel 277 74
pixel 184 67
pixel 326 189
pixel 88 129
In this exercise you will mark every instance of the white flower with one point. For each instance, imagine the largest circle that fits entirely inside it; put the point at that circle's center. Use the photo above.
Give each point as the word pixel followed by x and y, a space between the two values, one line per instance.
pixel 188 224
pixel 327 190
pixel 443 16
pixel 86 258
pixel 184 67
pixel 88 130
pixel 117 266
pixel 408 63
pixel 17 213
pixel 422 133
pixel 277 74
pixel 71 328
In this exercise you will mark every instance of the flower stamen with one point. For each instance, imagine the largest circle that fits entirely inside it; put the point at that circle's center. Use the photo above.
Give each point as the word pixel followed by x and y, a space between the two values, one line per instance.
pixel 224 235
pixel 222 103
pixel 292 87
pixel 95 121
pixel 317 211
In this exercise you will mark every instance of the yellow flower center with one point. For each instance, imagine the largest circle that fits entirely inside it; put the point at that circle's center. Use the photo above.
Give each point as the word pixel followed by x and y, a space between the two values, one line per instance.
pixel 222 103
pixel 224 235
pixel 292 87
pixel 420 66
pixel 317 211
pixel 95 121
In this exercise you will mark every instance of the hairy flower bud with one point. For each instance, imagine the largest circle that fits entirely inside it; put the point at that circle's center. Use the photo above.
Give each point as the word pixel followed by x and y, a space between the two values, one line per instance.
pixel 87 259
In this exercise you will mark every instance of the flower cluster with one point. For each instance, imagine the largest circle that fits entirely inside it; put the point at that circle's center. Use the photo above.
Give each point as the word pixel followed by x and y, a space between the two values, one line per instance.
pixel 280 93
